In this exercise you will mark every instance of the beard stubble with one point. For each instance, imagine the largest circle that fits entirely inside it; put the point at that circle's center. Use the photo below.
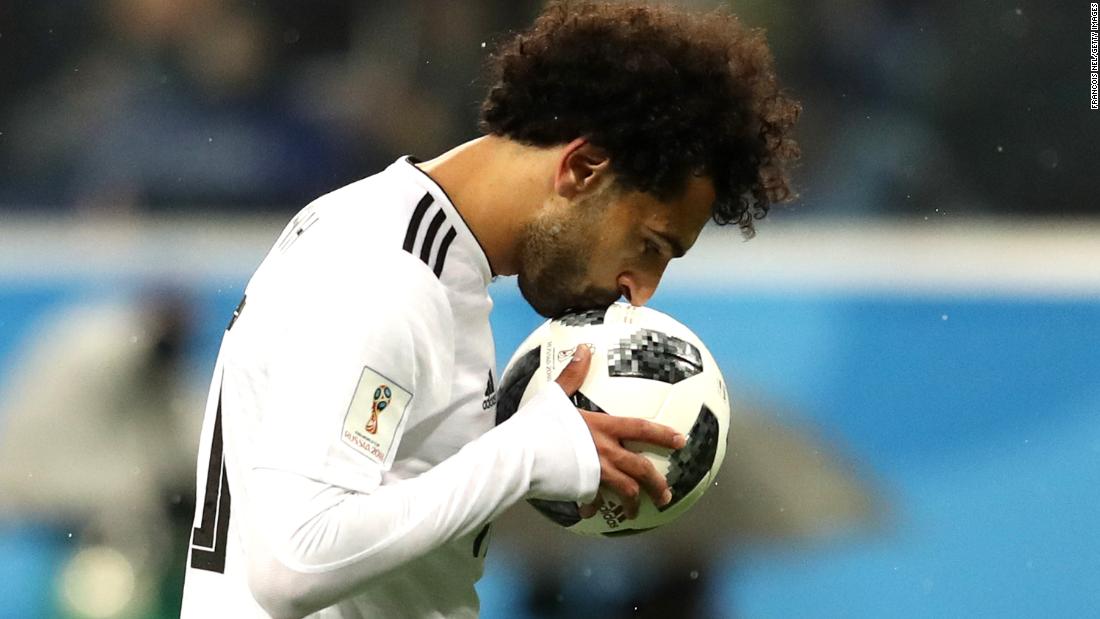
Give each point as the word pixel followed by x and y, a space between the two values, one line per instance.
pixel 556 252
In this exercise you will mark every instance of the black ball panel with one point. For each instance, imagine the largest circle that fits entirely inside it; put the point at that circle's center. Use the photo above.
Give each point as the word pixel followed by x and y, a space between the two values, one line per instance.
pixel 690 464
pixel 582 401
pixel 583 318
pixel 515 382
pixel 654 355
pixel 564 513
pixel 626 532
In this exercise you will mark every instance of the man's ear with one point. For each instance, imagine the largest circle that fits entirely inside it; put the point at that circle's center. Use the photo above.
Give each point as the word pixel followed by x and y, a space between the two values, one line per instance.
pixel 581 167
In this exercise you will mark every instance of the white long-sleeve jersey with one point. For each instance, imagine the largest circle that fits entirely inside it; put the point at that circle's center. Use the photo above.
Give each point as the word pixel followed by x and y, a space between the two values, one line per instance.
pixel 349 466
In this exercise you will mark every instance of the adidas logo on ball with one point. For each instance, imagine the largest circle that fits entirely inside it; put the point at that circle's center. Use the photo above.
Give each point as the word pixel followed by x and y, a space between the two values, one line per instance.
pixel 612 514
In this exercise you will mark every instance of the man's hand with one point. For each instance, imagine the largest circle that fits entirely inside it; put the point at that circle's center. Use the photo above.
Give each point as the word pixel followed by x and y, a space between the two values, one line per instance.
pixel 622 470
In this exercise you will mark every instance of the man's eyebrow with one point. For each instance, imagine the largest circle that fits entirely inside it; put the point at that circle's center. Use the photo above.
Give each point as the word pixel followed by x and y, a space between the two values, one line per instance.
pixel 678 250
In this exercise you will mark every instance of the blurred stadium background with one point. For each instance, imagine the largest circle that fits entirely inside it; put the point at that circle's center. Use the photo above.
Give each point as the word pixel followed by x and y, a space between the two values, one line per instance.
pixel 915 344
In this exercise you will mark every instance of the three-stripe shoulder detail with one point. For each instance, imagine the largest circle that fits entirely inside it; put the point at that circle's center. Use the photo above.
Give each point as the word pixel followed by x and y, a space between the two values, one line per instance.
pixel 426 241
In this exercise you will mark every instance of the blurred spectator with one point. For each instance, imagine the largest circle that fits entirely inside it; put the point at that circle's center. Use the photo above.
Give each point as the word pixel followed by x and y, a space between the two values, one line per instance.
pixel 97 441
pixel 916 110
pixel 176 104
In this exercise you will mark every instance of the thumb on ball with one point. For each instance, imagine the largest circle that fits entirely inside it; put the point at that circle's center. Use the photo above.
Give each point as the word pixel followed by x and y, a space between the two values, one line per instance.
pixel 573 375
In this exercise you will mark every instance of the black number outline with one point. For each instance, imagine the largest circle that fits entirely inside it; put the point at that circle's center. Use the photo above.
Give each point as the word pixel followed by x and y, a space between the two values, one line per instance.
pixel 208 541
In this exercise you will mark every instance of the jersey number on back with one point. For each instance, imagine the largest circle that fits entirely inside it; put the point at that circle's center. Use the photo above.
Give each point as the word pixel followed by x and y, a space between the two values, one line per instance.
pixel 208 540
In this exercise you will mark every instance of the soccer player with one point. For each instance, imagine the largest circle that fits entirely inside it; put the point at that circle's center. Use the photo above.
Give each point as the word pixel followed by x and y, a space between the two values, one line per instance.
pixel 349 465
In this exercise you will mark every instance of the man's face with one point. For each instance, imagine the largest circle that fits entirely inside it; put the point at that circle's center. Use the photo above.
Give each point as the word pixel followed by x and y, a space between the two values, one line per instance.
pixel 587 252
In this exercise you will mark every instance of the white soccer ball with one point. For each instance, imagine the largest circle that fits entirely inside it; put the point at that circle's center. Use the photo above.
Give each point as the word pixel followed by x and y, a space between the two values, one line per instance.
pixel 644 364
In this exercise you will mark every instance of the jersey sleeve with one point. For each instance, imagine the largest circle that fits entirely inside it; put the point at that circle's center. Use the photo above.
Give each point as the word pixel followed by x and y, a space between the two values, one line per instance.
pixel 317 544
pixel 348 361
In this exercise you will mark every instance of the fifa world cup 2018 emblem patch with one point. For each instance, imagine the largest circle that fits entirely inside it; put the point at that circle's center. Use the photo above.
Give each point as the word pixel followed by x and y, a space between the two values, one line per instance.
pixel 375 416
pixel 382 397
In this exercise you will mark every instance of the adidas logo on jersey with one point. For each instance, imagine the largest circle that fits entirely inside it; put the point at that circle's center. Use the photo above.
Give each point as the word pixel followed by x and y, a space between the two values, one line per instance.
pixel 490 394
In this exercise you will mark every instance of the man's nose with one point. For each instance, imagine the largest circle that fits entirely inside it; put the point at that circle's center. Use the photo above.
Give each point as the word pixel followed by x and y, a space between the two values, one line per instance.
pixel 637 289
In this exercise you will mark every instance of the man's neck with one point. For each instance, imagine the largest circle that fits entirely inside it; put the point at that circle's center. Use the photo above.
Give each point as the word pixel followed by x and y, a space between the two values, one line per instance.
pixel 495 185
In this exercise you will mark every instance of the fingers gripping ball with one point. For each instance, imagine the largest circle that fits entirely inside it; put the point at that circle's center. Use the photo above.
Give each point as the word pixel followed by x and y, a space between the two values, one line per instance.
pixel 647 365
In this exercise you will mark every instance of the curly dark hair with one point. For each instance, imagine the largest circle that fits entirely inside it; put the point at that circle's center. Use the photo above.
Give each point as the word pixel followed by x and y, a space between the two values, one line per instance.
pixel 666 93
